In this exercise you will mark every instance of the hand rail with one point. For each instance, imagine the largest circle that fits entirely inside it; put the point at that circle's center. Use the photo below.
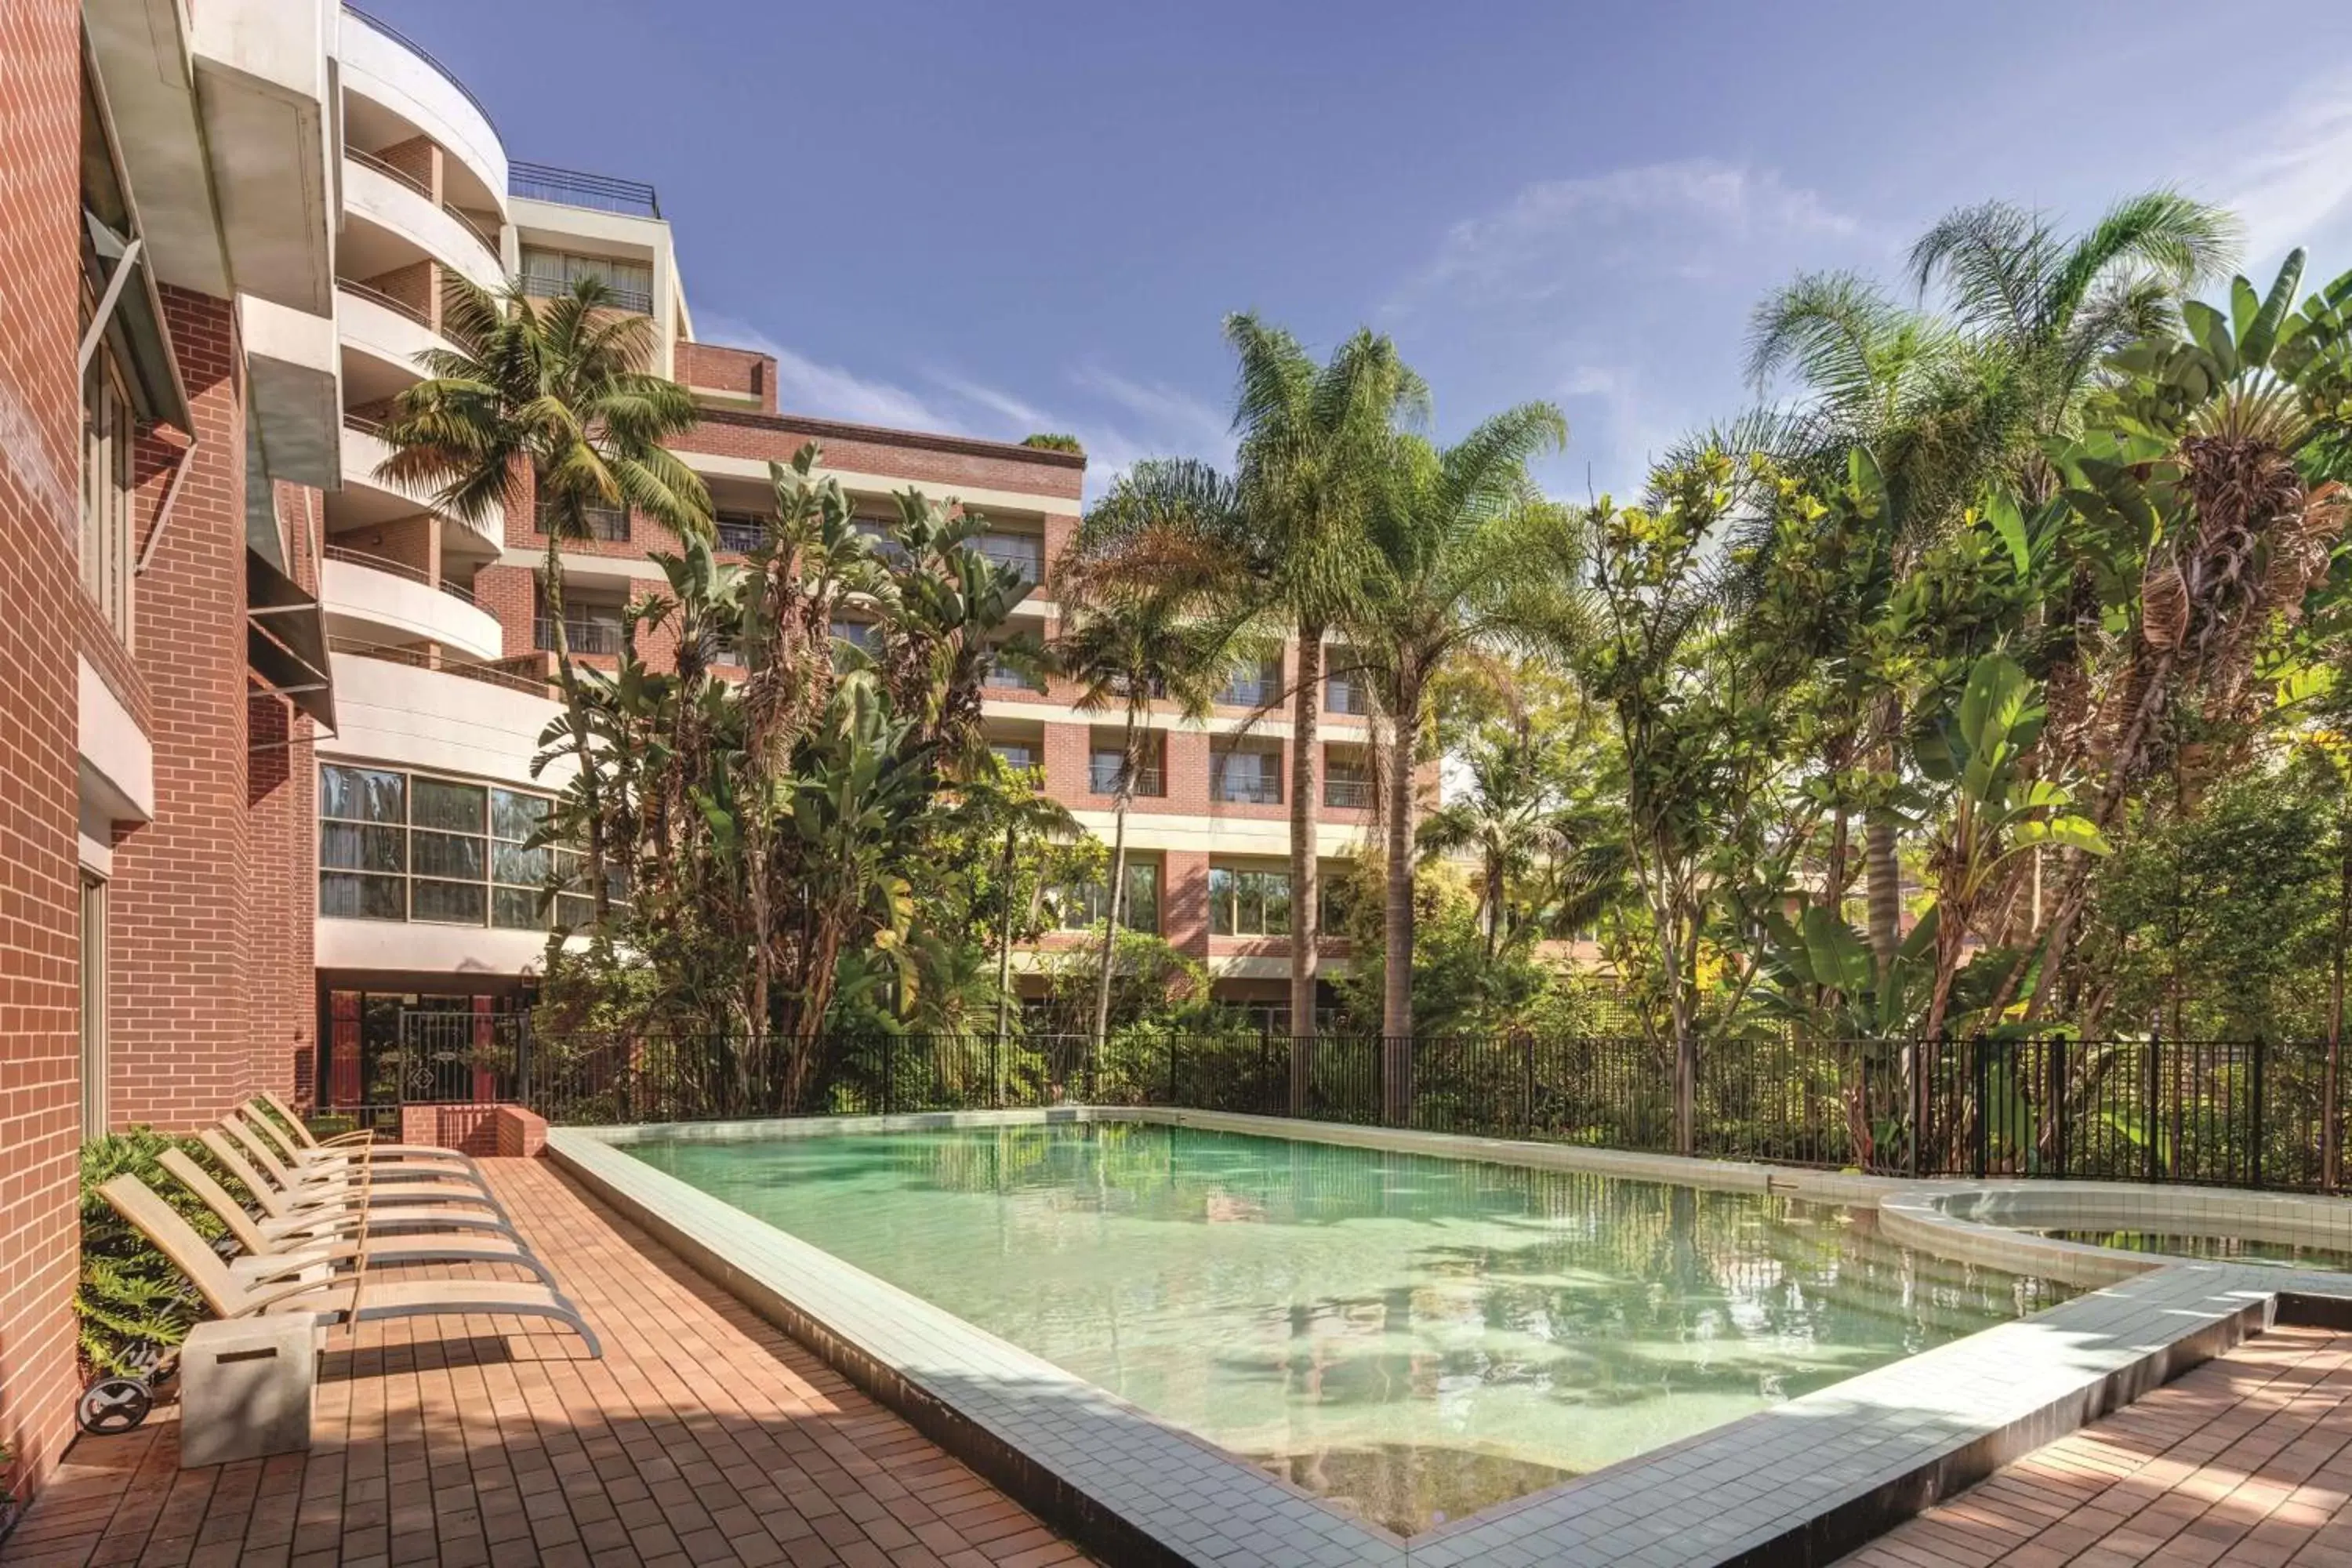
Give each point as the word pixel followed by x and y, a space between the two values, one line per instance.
pixel 375 296
pixel 421 53
pixel 486 672
pixel 576 188
pixel 470 226
pixel 367 160
pixel 398 569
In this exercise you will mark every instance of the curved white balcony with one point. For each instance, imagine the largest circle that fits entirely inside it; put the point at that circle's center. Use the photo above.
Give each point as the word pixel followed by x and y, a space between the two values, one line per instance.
pixel 366 499
pixel 372 197
pixel 391 71
pixel 475 726
pixel 387 333
pixel 386 602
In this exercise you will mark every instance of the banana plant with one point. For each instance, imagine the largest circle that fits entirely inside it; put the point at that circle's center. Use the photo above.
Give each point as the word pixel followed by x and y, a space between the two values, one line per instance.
pixel 1992 810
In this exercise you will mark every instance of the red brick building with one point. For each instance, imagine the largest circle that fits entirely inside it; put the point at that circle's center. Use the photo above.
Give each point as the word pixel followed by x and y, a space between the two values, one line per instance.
pixel 264 766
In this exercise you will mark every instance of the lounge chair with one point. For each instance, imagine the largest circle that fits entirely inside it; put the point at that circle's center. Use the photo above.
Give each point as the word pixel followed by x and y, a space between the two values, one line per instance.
pixel 387 1209
pixel 330 1301
pixel 385 1157
pixel 274 1258
pixel 410 1180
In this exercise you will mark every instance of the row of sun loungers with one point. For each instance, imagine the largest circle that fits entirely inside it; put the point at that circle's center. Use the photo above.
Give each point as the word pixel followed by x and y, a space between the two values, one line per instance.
pixel 331 1214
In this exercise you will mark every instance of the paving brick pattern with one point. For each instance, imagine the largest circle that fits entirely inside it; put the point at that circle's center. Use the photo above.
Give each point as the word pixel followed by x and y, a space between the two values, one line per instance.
pixel 2245 1462
pixel 703 1437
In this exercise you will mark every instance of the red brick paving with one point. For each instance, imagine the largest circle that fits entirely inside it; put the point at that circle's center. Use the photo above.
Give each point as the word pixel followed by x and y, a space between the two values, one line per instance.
pixel 2246 1462
pixel 704 1435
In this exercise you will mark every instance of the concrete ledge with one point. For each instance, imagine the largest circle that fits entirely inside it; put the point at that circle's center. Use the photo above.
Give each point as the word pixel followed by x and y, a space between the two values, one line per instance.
pixel 1799 1483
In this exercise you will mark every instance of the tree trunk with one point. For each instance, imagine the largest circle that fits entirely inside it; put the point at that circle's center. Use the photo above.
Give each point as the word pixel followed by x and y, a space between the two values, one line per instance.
pixel 590 803
pixel 1882 870
pixel 1397 917
pixel 2331 1131
pixel 1682 983
pixel 1306 706
pixel 1118 886
pixel 1005 942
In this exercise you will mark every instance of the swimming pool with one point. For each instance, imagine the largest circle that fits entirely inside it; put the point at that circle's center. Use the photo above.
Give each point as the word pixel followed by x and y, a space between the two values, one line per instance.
pixel 1415 1337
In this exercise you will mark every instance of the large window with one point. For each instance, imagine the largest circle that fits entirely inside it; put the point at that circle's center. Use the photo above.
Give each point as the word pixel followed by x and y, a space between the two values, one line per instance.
pixel 107 432
pixel 409 847
pixel 550 272
pixel 1083 907
pixel 1248 777
pixel 1247 903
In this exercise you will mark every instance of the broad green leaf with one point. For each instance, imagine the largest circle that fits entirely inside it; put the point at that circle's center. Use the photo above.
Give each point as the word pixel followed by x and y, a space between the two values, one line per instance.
pixel 2006 522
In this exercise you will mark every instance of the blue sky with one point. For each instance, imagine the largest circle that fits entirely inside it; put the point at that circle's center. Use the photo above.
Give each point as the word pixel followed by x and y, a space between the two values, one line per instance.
pixel 1005 217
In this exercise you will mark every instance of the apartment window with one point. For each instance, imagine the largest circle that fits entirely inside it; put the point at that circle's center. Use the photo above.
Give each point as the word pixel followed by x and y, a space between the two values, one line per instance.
pixel 395 845
pixel 1347 781
pixel 1105 764
pixel 1251 777
pixel 1003 676
pixel 547 272
pixel 608 524
pixel 1248 903
pixel 1014 755
pixel 1343 689
pixel 741 532
pixel 587 628
pixel 93 1008
pixel 1023 552
pixel 1258 688
pixel 109 432
pixel 1083 906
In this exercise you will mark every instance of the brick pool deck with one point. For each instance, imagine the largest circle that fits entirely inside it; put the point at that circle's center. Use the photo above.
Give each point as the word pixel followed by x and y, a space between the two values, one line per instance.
pixel 2244 1462
pixel 704 1436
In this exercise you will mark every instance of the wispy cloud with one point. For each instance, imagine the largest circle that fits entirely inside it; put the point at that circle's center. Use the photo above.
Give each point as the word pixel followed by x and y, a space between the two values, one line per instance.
pixel 810 386
pixel 1683 217
pixel 2288 174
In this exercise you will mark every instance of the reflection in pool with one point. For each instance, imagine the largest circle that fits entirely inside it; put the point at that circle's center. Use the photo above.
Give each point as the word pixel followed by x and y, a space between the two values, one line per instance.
pixel 1416 1338
pixel 2230 1248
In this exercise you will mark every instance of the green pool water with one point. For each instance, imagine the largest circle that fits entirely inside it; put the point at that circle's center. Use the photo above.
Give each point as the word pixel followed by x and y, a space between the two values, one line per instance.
pixel 1415 1337
pixel 2233 1248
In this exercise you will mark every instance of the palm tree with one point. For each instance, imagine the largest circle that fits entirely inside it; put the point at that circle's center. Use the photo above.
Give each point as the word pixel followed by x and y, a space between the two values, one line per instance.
pixel 552 400
pixel 1462 554
pixel 1284 540
pixel 1944 403
pixel 1127 650
pixel 1507 817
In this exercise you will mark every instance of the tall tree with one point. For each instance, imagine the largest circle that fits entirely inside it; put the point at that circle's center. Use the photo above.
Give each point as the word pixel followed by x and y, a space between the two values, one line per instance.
pixel 1464 555
pixel 553 401
pixel 1286 536
pixel 1132 651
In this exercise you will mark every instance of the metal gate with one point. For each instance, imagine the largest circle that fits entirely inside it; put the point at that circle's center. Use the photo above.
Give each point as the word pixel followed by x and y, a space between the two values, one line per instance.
pixel 448 1058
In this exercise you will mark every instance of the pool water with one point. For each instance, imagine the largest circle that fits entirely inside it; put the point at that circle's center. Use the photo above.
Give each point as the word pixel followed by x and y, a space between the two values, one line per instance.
pixel 1413 1338
pixel 2231 1249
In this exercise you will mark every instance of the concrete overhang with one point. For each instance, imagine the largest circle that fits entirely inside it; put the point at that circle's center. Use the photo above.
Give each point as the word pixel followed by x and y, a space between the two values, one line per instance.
pixel 140 49
pixel 295 367
pixel 117 759
pixel 265 88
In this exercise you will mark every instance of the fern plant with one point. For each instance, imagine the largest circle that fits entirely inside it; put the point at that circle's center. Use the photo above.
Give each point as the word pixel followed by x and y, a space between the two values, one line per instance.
pixel 133 1302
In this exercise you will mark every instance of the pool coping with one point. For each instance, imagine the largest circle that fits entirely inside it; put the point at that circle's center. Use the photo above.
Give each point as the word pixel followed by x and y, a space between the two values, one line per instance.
pixel 1801 1482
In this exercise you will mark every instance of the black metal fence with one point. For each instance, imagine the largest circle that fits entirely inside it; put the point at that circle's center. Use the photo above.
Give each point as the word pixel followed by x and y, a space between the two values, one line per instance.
pixel 2233 1112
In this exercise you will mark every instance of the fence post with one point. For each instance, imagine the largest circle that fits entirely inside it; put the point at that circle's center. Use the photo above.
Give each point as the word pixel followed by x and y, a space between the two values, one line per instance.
pixel 1172 1041
pixel 522 1059
pixel 2151 1113
pixel 2057 1057
pixel 889 1069
pixel 1980 1091
pixel 2254 1130
pixel 1528 1087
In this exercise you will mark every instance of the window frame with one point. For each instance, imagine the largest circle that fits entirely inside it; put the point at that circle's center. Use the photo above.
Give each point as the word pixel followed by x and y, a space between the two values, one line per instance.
pixel 555 896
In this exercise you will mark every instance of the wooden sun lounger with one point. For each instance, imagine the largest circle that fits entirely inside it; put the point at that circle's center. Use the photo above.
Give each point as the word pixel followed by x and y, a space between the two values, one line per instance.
pixel 268 1258
pixel 399 1205
pixel 387 1157
pixel 422 1184
pixel 335 1300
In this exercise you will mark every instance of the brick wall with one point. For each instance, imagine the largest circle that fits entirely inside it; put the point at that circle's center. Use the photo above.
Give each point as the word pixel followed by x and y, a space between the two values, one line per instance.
pixel 39 887
pixel 710 367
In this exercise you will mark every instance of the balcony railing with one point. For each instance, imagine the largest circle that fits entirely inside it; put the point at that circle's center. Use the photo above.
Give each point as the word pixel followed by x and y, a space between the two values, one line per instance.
pixel 1004 678
pixel 397 569
pixel 609 523
pixel 365 423
pixel 584 637
pixel 740 534
pixel 421 53
pixel 539 285
pixel 573 188
pixel 1103 775
pixel 1245 788
pixel 376 295
pixel 1348 794
pixel 488 242
pixel 367 160
pixel 514 674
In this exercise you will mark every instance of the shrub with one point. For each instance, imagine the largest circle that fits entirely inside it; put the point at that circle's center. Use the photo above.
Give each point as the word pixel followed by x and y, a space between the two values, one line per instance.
pixel 133 1300
pixel 1046 441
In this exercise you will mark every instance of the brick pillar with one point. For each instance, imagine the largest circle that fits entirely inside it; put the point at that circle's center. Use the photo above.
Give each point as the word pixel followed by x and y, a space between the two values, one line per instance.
pixel 1184 902
pixel 183 894
pixel 507 593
